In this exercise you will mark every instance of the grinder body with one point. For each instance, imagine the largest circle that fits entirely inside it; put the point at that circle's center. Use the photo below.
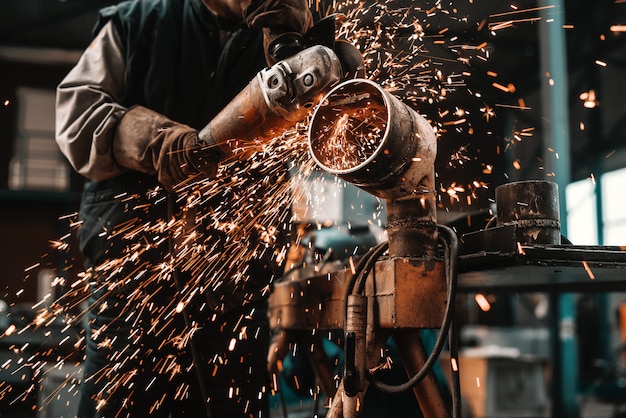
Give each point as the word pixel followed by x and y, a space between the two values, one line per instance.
pixel 277 98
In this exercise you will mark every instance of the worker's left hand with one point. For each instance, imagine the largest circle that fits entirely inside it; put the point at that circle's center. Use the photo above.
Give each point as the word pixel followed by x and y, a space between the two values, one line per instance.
pixel 151 143
pixel 284 22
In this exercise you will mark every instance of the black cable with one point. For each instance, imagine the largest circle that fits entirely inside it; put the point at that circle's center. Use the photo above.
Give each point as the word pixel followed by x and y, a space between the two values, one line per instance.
pixel 455 378
pixel 370 263
pixel 316 404
pixel 453 342
pixel 373 254
pixel 451 276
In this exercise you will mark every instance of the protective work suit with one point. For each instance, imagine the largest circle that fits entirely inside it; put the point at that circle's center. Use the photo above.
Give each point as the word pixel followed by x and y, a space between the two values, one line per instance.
pixel 128 118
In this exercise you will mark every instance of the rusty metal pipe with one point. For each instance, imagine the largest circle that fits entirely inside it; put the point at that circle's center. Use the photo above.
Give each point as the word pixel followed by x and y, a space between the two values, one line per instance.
pixel 533 206
pixel 427 392
pixel 368 137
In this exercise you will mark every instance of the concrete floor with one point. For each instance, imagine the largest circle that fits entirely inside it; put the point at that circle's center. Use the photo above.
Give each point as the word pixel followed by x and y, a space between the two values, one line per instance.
pixel 593 409
pixel 588 409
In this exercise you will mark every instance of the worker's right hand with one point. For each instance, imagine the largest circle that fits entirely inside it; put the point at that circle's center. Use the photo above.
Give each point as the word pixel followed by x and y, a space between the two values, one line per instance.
pixel 148 142
pixel 284 22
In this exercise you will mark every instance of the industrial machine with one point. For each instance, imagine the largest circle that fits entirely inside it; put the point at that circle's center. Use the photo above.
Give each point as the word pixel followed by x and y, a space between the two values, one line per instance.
pixel 367 137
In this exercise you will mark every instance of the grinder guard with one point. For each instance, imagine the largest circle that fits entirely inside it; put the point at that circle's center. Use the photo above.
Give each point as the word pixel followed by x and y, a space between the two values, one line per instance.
pixel 276 98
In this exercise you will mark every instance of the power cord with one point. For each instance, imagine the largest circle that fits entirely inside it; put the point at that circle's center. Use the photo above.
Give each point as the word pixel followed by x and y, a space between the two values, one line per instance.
pixel 449 241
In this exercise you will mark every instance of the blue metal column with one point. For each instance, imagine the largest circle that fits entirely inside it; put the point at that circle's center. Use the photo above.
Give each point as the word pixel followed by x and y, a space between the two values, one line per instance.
pixel 602 300
pixel 557 165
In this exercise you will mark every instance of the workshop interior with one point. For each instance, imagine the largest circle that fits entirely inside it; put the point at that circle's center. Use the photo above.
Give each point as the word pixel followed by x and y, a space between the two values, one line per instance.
pixel 461 221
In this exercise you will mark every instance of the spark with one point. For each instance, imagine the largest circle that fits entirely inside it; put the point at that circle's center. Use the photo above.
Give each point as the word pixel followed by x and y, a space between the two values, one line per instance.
pixel 238 216
pixel 354 134
pixel 588 270
pixel 10 330
pixel 459 157
pixel 488 112
pixel 386 364
pixel 507 89
pixel 454 364
pixel 34 266
pixel 516 11
pixel 180 307
pixel 482 302
pixel 589 99
pixel 520 107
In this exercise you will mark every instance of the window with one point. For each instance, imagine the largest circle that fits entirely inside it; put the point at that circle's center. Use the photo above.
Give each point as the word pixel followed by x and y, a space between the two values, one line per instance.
pixel 581 213
pixel 582 217
pixel 614 207
pixel 37 163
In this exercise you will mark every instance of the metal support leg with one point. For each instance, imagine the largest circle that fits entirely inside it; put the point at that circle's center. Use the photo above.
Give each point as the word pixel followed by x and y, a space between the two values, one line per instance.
pixel 413 356
pixel 320 364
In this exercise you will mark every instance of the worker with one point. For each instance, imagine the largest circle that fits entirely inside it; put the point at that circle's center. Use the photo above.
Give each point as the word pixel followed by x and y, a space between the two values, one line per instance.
pixel 128 119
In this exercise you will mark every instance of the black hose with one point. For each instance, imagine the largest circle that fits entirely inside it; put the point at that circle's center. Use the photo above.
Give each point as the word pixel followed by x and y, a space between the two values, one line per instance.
pixel 369 264
pixel 361 270
pixel 451 276
pixel 453 342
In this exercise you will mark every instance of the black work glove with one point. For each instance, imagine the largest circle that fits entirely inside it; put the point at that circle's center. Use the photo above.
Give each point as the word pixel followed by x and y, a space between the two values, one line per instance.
pixel 148 142
pixel 284 22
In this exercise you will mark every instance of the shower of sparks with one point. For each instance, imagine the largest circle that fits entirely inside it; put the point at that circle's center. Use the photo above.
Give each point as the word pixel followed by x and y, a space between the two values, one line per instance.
pixel 392 39
pixel 459 157
pixel 518 136
pixel 350 137
pixel 237 217
pixel 340 153
pixel 494 26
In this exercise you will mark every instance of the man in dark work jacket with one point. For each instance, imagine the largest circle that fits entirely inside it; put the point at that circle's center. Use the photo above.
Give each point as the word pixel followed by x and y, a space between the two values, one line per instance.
pixel 128 117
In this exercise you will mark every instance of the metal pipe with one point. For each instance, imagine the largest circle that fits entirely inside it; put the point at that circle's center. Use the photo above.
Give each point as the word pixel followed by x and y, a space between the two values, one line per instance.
pixel 427 392
pixel 534 207
pixel 368 137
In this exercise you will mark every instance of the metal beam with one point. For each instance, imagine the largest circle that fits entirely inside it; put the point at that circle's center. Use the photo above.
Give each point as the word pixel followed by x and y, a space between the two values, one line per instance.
pixel 553 67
